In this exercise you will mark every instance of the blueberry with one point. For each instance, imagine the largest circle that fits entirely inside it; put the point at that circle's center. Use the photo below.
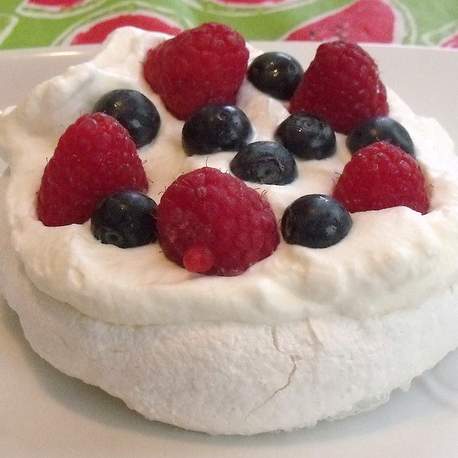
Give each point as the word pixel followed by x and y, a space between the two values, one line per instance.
pixel 216 128
pixel 264 162
pixel 134 111
pixel 307 136
pixel 125 219
pixel 378 129
pixel 315 221
pixel 276 74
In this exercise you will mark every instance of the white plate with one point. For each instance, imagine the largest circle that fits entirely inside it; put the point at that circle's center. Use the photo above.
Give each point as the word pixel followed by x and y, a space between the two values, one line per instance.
pixel 44 413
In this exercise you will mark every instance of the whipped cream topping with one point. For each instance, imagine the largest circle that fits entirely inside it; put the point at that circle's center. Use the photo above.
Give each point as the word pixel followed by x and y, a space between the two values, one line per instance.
pixel 391 259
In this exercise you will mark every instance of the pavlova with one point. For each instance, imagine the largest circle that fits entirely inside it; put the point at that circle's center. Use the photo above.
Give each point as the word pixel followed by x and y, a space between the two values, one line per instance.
pixel 224 241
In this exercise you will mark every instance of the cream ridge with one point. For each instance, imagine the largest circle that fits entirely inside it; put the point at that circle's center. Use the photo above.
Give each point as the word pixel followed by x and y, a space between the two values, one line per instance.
pixel 391 259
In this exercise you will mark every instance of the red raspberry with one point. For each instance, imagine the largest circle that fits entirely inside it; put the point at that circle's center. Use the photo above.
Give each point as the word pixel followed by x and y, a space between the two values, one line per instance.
pixel 342 86
pixel 211 222
pixel 94 158
pixel 379 176
pixel 199 66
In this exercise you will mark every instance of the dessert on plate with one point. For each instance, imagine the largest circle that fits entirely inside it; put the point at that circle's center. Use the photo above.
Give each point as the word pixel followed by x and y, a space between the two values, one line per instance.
pixel 224 241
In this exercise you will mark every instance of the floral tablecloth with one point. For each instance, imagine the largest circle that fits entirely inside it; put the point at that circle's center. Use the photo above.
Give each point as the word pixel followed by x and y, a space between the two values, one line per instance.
pixel 30 23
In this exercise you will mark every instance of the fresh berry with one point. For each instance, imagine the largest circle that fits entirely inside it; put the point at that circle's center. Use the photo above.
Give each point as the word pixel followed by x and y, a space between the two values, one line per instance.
pixel 276 74
pixel 216 128
pixel 94 158
pixel 197 67
pixel 307 136
pixel 211 222
pixel 134 111
pixel 378 129
pixel 125 219
pixel 315 221
pixel 264 162
pixel 379 176
pixel 342 86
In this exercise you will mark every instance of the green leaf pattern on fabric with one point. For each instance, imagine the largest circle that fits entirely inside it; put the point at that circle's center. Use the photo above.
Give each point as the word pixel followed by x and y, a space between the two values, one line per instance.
pixel 32 23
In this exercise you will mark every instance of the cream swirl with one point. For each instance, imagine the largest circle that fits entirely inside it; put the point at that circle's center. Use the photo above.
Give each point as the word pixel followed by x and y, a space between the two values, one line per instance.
pixel 391 259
